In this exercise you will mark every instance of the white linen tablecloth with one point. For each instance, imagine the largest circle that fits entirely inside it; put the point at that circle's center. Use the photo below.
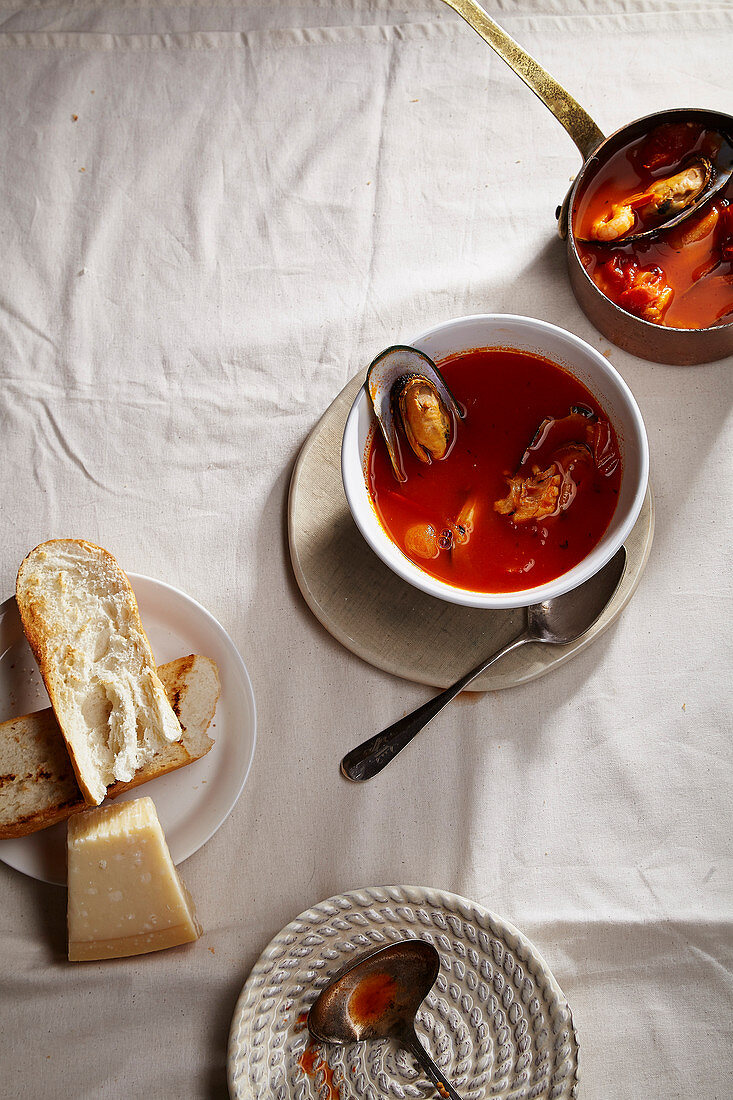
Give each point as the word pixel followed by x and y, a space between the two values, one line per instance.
pixel 212 216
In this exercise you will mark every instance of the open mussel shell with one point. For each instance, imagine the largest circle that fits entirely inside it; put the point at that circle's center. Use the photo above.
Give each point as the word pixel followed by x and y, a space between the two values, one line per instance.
pixel 395 372
pixel 675 210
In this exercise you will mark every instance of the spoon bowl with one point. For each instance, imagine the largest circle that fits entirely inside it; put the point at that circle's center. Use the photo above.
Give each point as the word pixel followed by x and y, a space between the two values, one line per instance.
pixel 562 620
pixel 377 997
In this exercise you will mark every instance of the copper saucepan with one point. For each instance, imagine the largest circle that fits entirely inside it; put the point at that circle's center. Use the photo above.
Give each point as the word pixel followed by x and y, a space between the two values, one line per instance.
pixel 642 338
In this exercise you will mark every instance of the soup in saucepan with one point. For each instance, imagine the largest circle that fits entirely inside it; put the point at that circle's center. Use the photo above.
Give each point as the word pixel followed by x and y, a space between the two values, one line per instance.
pixel 681 277
pixel 516 491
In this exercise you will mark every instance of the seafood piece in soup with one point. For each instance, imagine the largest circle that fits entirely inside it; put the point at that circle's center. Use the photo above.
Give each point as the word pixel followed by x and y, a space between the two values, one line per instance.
pixel 421 541
pixel 457 532
pixel 532 497
pixel 409 398
pixel 659 202
pixel 615 224
pixel 426 421
pixel 671 196
pixel 562 454
pixel 547 492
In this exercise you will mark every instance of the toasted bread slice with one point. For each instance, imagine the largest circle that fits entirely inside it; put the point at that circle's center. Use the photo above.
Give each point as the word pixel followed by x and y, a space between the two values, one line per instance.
pixel 81 619
pixel 37 782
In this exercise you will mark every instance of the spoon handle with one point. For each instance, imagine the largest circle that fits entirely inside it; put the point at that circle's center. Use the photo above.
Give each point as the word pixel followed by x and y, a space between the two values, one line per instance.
pixel 422 1057
pixel 567 111
pixel 372 755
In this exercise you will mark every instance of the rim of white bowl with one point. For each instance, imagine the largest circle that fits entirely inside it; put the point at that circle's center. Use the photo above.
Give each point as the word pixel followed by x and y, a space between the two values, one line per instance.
pixel 360 502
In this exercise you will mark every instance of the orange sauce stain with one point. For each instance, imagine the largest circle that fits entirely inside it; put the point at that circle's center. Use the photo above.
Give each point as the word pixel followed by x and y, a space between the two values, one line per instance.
pixel 307 1060
pixel 372 997
pixel 313 1064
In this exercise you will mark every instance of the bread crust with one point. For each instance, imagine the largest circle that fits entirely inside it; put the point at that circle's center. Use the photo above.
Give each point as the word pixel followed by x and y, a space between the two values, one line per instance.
pixel 36 767
pixel 63 644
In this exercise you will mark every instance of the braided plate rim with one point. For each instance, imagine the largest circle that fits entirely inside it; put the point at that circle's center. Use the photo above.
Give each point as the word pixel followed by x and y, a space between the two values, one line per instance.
pixel 496 1021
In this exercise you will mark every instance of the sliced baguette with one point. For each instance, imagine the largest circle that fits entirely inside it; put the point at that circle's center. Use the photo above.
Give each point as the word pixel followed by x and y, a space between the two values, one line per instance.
pixel 81 619
pixel 37 782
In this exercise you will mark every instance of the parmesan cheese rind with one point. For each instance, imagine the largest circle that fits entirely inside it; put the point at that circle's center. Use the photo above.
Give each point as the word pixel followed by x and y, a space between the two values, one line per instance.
pixel 125 895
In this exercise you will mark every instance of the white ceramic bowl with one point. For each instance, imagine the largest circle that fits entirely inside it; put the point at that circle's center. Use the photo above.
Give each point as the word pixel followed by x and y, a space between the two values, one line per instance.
pixel 577 357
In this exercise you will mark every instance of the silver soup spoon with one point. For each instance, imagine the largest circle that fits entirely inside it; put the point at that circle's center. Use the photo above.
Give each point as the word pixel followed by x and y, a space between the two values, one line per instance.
pixel 378 998
pixel 554 622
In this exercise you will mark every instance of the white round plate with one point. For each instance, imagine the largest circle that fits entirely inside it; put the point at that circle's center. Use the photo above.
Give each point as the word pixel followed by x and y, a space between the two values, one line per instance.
pixel 496 1021
pixel 192 802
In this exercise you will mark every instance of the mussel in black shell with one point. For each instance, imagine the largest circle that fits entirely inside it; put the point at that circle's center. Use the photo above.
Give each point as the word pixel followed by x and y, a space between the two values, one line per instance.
pixel 661 204
pixel 407 390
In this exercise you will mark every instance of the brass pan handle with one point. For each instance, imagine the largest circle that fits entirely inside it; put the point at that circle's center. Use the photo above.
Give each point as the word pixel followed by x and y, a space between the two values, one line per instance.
pixel 567 111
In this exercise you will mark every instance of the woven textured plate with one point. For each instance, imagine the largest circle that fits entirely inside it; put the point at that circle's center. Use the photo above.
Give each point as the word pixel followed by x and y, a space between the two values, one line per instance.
pixel 496 1021
pixel 386 621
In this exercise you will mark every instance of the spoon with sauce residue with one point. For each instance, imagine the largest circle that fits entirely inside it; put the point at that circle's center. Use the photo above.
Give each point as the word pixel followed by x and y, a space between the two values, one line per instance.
pixel 559 621
pixel 377 997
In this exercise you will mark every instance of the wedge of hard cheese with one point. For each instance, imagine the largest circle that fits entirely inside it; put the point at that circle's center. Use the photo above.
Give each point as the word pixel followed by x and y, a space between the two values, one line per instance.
pixel 125 895
pixel 37 782
pixel 82 622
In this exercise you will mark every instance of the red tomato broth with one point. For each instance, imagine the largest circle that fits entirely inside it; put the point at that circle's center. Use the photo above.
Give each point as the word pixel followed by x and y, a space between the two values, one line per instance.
pixel 688 255
pixel 506 395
